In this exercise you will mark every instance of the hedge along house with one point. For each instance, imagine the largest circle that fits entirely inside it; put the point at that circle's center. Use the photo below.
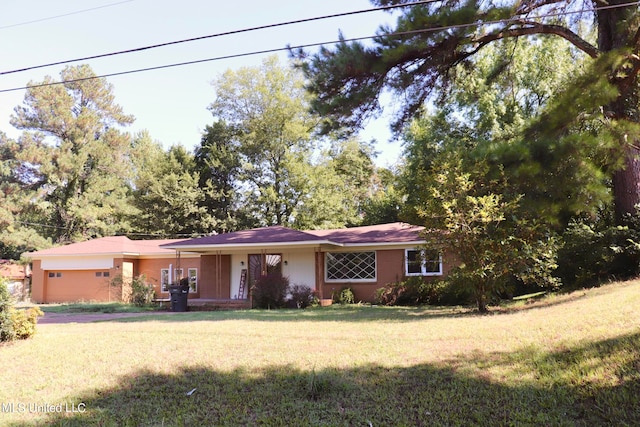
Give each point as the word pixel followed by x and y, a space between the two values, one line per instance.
pixel 361 258
pixel 86 271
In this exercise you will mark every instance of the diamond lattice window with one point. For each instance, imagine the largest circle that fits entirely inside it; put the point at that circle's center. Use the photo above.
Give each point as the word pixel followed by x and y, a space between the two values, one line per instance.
pixel 349 266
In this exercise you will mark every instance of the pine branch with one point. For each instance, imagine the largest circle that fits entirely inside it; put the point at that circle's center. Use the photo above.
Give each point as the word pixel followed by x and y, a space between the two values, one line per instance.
pixel 528 28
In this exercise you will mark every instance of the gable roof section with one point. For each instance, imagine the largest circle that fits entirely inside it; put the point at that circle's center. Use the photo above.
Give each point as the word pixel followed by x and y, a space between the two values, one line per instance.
pixel 396 232
pixel 113 245
pixel 383 234
pixel 256 237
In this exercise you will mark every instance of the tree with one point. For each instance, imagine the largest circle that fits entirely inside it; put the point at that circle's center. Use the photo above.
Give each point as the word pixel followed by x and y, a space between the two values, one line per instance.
pixel 16 215
pixel 219 164
pixel 415 59
pixel 73 157
pixel 384 205
pixel 268 109
pixel 167 192
pixel 480 221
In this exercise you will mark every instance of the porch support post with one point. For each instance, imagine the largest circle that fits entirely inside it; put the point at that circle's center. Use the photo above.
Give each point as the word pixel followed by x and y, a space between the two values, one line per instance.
pixel 263 262
pixel 318 259
pixel 178 268
pixel 218 273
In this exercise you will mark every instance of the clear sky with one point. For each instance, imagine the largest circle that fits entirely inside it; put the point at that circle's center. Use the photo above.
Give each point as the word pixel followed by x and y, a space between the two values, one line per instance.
pixel 171 103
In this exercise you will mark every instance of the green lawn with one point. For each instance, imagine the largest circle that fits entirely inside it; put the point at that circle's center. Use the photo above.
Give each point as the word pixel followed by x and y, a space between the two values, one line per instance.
pixel 90 307
pixel 560 360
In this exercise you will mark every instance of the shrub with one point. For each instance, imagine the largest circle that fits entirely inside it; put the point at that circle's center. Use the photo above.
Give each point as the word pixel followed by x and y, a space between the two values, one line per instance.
pixel 596 252
pixel 15 324
pixel 302 295
pixel 415 291
pixel 25 321
pixel 142 293
pixel 270 291
pixel 345 296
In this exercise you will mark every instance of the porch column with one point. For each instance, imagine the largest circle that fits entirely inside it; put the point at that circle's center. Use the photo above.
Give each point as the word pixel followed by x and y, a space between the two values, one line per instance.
pixel 319 272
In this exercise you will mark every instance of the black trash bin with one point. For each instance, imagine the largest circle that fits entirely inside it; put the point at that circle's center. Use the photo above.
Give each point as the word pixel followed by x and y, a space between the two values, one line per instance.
pixel 179 296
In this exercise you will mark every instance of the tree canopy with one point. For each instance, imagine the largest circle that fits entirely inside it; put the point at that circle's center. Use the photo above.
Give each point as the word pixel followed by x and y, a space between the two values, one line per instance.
pixel 414 60
pixel 73 156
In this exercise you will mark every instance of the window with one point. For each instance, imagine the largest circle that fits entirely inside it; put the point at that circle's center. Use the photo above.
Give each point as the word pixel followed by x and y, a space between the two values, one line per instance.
pixel 423 263
pixel 51 274
pixel 178 273
pixel 165 281
pixel 106 274
pixel 98 273
pixel 350 266
pixel 193 279
pixel 55 274
pixel 260 264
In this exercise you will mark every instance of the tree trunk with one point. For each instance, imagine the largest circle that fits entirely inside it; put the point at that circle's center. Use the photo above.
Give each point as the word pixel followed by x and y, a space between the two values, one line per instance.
pixel 626 184
pixel 616 29
pixel 481 299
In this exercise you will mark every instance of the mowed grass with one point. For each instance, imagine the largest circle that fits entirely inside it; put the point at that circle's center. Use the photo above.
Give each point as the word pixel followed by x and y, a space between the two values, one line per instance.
pixel 562 360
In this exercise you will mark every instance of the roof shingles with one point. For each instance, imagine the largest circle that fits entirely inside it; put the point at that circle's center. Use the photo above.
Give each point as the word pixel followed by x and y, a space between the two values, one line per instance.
pixel 375 234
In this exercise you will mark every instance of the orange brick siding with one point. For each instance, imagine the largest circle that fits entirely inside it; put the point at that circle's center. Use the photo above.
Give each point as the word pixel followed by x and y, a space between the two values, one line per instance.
pixel 390 268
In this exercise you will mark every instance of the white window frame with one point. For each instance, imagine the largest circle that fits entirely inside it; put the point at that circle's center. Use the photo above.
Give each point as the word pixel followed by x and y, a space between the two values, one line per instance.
pixel 423 264
pixel 164 280
pixel 328 255
pixel 193 279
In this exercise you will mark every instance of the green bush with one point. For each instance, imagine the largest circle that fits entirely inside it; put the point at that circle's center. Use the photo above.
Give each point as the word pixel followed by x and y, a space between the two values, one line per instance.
pixel 594 252
pixel 25 321
pixel 270 291
pixel 15 324
pixel 415 291
pixel 345 296
pixel 303 296
pixel 142 293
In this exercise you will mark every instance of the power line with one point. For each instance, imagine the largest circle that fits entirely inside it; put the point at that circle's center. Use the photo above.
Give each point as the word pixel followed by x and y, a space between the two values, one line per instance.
pixel 64 14
pixel 273 50
pixel 226 33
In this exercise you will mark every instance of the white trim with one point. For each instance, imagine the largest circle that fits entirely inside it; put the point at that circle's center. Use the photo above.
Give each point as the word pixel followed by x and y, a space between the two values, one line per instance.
pixel 78 263
pixel 195 283
pixel 382 244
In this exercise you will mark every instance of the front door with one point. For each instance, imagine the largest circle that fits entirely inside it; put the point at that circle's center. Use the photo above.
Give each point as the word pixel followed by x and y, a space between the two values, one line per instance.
pixel 261 264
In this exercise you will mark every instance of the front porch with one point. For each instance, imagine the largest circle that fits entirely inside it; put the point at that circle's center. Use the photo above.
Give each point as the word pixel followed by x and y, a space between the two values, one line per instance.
pixel 209 304
pixel 206 304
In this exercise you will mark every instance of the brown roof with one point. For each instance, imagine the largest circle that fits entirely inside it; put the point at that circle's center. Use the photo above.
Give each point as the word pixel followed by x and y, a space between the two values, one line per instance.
pixel 273 234
pixel 396 232
pixel 375 234
pixel 121 245
pixel 108 246
pixel 11 270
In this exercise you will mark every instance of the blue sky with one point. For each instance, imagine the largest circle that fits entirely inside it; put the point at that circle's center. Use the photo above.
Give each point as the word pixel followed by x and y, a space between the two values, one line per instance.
pixel 172 103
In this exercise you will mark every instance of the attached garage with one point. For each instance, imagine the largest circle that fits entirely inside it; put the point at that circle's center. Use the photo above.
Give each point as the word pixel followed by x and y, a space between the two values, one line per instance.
pixel 79 285
pixel 87 271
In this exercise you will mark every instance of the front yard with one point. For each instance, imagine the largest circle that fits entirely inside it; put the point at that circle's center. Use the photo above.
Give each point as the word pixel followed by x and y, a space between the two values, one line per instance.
pixel 567 360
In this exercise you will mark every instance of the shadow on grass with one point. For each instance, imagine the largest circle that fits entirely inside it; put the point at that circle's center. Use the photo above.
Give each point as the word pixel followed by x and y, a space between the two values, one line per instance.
pixel 596 384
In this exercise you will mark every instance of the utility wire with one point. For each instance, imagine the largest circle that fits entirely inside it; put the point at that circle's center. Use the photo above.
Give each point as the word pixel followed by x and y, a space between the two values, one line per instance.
pixel 259 52
pixel 226 33
pixel 65 14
